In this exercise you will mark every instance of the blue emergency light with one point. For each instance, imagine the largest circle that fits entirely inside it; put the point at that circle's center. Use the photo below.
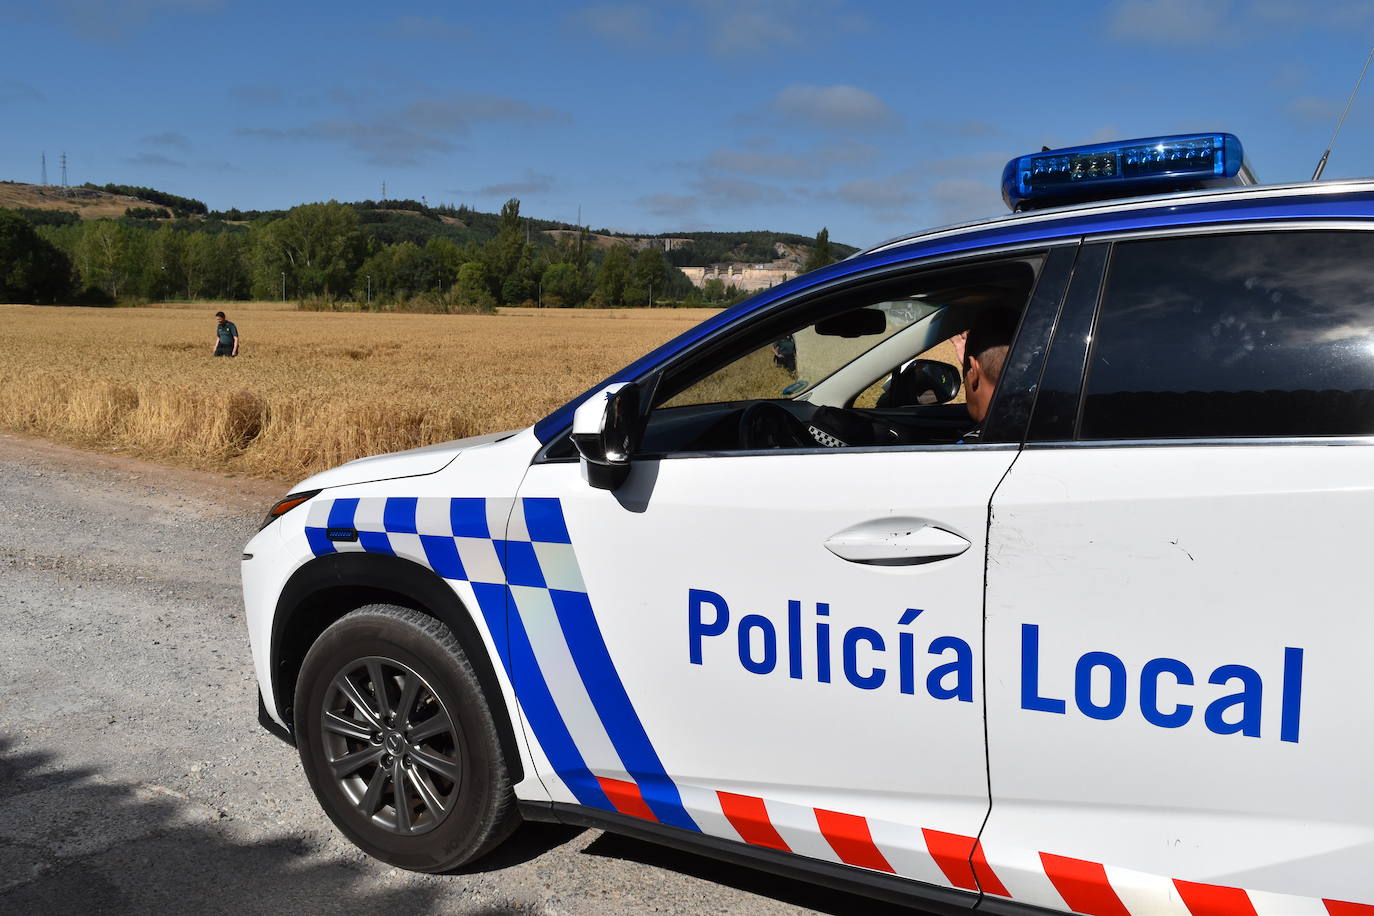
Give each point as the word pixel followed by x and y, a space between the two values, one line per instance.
pixel 1150 165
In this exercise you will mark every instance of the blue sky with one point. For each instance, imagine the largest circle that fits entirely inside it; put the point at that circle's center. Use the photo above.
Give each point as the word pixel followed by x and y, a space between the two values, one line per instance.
pixel 870 118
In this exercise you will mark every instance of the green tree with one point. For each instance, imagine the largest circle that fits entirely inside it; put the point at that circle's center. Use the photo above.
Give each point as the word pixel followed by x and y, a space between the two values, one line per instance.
pixel 231 277
pixel 445 257
pixel 562 286
pixel 109 257
pixel 647 276
pixel 199 259
pixel 32 269
pixel 510 267
pixel 164 269
pixel 613 276
pixel 317 246
pixel 820 252
pixel 713 290
pixel 472 288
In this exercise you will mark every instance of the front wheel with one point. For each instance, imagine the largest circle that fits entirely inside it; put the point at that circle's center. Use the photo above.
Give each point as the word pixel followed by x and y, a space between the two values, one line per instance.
pixel 398 742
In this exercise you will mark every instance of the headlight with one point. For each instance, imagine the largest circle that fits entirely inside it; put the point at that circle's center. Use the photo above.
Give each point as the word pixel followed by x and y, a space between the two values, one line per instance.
pixel 284 506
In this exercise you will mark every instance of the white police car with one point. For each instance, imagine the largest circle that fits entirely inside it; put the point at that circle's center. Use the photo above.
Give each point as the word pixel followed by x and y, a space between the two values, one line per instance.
pixel 774 593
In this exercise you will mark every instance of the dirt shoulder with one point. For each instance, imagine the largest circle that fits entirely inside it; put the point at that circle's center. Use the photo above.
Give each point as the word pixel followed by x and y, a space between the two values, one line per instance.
pixel 227 490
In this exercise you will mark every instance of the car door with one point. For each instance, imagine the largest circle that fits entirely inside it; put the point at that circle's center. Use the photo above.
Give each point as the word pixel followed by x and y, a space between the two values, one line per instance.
pixel 713 663
pixel 1177 577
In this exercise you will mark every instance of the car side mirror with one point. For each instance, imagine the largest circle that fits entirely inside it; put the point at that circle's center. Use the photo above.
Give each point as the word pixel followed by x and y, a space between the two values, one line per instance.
pixel 605 430
pixel 941 381
pixel 921 382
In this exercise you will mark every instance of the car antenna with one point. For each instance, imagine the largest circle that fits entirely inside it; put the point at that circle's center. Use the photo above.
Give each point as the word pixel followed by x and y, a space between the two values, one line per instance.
pixel 1316 176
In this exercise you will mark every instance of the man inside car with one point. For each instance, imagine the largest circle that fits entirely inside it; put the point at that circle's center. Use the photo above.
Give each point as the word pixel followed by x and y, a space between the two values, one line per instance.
pixel 985 353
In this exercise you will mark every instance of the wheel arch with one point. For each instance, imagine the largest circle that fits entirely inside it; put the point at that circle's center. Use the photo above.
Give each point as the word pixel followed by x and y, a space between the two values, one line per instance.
pixel 328 587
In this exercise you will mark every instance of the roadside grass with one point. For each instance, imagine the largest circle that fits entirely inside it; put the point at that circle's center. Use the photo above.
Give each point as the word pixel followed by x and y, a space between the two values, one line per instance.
pixel 309 390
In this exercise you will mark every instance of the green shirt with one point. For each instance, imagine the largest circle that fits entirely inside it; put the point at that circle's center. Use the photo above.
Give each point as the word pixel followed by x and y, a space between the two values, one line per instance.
pixel 227 332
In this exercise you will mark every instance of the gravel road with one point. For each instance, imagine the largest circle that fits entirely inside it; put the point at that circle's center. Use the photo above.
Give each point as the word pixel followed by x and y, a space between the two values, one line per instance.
pixel 134 777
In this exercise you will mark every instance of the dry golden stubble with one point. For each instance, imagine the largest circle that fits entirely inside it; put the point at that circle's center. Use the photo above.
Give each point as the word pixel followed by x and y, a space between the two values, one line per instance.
pixel 309 390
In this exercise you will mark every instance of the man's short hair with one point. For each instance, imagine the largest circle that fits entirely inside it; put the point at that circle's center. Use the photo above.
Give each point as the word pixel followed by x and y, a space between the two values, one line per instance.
pixel 219 314
pixel 989 340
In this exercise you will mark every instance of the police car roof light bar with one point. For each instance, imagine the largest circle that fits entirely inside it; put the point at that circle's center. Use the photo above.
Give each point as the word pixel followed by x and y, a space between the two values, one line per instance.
pixel 1124 168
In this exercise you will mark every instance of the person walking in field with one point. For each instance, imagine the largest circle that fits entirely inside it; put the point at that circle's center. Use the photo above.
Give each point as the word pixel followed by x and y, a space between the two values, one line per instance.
pixel 226 336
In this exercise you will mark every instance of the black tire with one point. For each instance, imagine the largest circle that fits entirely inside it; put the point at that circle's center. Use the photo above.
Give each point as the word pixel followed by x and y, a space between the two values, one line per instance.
pixel 456 802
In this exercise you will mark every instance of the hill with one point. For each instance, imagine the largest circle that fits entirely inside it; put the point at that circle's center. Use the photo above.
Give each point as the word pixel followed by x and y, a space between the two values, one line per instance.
pixel 393 221
pixel 86 203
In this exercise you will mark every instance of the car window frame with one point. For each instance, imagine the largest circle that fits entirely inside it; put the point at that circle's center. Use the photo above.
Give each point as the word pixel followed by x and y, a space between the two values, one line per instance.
pixel 1044 302
pixel 1071 347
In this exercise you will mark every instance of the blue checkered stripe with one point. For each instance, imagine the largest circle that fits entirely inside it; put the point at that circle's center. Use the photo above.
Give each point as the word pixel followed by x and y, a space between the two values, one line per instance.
pixel 529 588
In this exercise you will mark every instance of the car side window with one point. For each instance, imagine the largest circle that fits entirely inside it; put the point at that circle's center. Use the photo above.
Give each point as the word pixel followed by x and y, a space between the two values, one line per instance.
pixel 1242 335
pixel 793 380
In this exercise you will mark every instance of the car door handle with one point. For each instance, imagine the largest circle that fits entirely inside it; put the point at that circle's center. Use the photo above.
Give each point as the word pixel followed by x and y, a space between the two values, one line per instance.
pixel 896 542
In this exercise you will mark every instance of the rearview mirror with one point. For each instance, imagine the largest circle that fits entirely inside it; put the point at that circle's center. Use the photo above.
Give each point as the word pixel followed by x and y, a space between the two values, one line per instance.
pixel 858 323
pixel 604 431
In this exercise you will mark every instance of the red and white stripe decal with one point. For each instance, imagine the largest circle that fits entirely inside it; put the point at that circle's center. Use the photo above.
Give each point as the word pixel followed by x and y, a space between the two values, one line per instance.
pixel 749 817
pixel 849 836
pixel 959 861
pixel 954 854
pixel 1083 885
pixel 624 795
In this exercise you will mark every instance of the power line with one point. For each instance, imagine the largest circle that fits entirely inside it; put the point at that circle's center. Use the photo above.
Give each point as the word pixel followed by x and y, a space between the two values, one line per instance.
pixel 45 168
pixel 64 169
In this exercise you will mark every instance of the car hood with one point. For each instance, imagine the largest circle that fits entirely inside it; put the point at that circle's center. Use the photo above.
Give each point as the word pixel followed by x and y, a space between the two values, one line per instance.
pixel 413 462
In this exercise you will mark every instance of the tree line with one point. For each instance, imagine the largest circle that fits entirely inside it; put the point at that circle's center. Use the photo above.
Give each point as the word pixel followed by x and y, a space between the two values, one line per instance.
pixel 328 255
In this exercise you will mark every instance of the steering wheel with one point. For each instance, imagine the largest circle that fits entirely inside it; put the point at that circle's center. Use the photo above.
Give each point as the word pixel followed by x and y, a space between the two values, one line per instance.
pixel 764 424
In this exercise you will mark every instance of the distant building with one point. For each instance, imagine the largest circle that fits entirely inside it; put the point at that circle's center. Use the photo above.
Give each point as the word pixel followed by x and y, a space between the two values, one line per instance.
pixel 743 277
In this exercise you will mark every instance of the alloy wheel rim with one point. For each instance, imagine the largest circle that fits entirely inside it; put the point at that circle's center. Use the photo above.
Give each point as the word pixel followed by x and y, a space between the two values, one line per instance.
pixel 391 746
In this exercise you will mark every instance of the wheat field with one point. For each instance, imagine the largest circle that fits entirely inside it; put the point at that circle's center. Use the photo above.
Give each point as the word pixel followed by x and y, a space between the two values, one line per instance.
pixel 309 390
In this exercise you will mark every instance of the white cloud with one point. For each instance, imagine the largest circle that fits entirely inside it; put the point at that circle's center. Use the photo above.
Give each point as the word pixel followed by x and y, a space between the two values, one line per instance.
pixel 1176 22
pixel 405 136
pixel 889 199
pixel 878 193
pixel 533 183
pixel 739 27
pixel 167 138
pixel 109 20
pixel 962 200
pixel 728 28
pixel 714 193
pixel 155 161
pixel 848 153
pixel 621 23
pixel 674 206
pixel 1197 22
pixel 1309 110
pixel 458 113
pixel 778 165
pixel 383 142
pixel 838 107
pixel 989 162
pixel 967 129
pixel 725 193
